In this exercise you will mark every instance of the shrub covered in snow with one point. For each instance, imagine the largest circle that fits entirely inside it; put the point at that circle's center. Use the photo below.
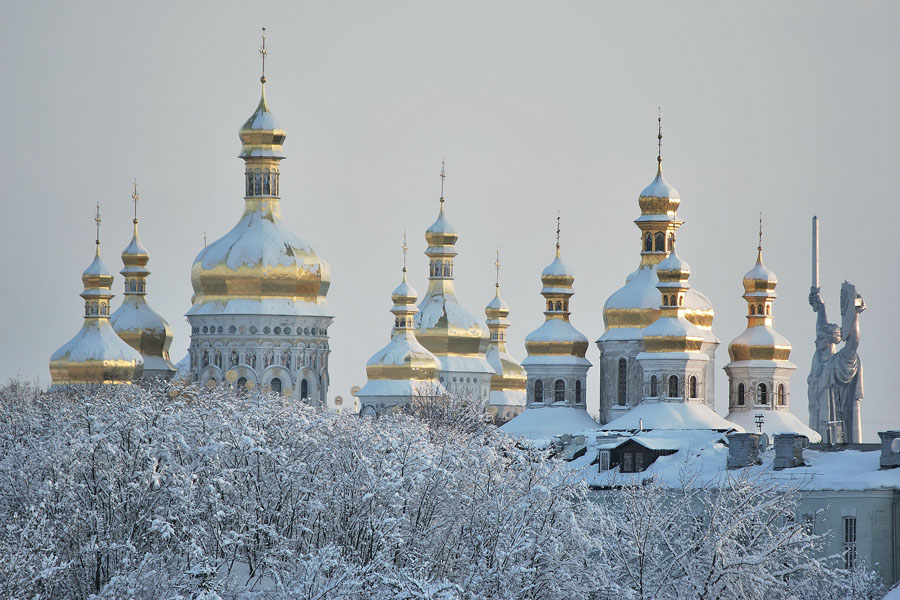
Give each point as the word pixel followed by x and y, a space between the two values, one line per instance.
pixel 168 492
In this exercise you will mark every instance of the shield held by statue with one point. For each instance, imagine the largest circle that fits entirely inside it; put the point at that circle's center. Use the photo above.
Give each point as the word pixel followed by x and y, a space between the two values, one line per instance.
pixel 849 301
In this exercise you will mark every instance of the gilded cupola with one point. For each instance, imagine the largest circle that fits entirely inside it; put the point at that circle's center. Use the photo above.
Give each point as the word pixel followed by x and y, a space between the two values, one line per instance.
pixel 635 305
pixel 443 325
pixel 404 368
pixel 759 341
pixel 509 380
pixel 96 355
pixel 260 266
pixel 135 322
pixel 556 336
pixel 672 331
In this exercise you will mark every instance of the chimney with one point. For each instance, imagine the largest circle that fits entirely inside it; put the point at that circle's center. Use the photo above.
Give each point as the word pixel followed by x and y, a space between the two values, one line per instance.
pixel 789 450
pixel 743 450
pixel 890 449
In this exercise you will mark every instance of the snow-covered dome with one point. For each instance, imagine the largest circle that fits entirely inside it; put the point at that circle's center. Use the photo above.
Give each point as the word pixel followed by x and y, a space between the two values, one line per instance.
pixel 660 197
pixel 134 321
pixel 671 415
pixel 96 354
pixel 557 269
pixel 260 266
pixel 760 272
pixel 673 264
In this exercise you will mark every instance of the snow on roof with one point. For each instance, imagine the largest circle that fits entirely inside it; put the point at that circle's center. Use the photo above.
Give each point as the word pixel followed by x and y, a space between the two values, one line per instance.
pixel 774 421
pixel 640 291
pixel 441 225
pixel 97 267
pixel 673 262
pixel 96 340
pixel 674 327
pixel 465 364
pixel 555 359
pixel 442 305
pixel 400 350
pixel 542 423
pixel 497 303
pixel 134 314
pixel 403 388
pixel 258 239
pixel 556 330
pixel 761 272
pixel 660 188
pixel 404 289
pixel 761 336
pixel 263 306
pixel 670 415
pixel 556 269
pixel 507 398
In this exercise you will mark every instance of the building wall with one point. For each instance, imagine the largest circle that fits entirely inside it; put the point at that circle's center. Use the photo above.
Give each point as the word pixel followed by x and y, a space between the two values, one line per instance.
pixel 610 353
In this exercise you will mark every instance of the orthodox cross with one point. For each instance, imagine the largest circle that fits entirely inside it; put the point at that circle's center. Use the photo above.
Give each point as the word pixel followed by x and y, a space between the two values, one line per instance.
pixel 263 52
pixel 134 198
pixel 557 233
pixel 443 176
pixel 497 265
pixel 405 248
pixel 759 247
pixel 97 221
pixel 659 135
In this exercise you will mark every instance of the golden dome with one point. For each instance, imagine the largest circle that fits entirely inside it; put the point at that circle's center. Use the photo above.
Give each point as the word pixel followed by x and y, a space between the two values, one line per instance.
pixel 509 381
pixel 134 321
pixel 96 355
pixel 759 341
pixel 260 266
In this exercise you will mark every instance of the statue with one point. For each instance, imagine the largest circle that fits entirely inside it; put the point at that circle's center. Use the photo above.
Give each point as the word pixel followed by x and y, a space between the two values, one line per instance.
pixel 835 382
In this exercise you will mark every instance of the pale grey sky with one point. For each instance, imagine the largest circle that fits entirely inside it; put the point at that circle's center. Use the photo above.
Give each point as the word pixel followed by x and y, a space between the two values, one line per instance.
pixel 785 108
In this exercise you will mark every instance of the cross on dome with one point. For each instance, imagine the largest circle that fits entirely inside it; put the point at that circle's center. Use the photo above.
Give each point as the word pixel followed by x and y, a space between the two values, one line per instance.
pixel 97 221
pixel 134 199
pixel 443 177
pixel 659 135
pixel 557 234
pixel 405 248
pixel 263 52
pixel 497 265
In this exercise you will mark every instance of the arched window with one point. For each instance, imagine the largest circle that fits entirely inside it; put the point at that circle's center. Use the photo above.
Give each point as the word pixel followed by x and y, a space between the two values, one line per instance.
pixel 648 242
pixel 693 386
pixel 566 305
pixel 275 384
pixel 654 386
pixel 549 305
pixel 762 394
pixel 265 187
pixel 578 398
pixel 431 268
pixel 752 310
pixel 759 309
pixel 673 386
pixel 538 391
pixel 740 394
pixel 660 242
pixel 623 381
pixel 768 310
pixel 671 238
pixel 304 390
pixel 780 394
pixel 446 268
pixel 249 190
pixel 559 391
pixel 558 305
pixel 665 300
pixel 242 382
pixel 672 300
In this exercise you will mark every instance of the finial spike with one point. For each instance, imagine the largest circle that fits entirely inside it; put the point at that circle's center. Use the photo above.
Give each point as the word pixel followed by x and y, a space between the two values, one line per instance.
pixel 405 248
pixel 263 52
pixel 97 221
pixel 134 198
pixel 443 176
pixel 759 245
pixel 659 136
pixel 497 265
pixel 557 234
pixel 204 239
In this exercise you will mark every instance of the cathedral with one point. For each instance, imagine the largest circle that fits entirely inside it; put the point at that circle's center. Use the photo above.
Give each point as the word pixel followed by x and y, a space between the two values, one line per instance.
pixel 259 319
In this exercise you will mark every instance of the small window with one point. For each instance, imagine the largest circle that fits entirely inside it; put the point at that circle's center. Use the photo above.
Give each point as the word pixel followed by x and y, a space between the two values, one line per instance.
pixel 849 542
pixel 654 386
pixel 752 309
pixel 623 382
pixel 768 310
pixel 780 394
pixel 242 382
pixel 559 391
pixel 665 300
pixel 740 394
pixel 680 300
pixel 672 300
pixel 648 242
pixel 673 386
pixel 304 390
pixel 558 305
pixel 693 386
pixel 549 305
pixel 578 399
pixel 538 391
pixel 660 242
pixel 762 394
pixel 275 384
pixel 759 309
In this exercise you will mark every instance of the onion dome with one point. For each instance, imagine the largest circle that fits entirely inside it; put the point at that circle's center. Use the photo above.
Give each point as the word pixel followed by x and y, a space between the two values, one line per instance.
pixel 759 341
pixel 96 355
pixel 404 367
pixel 556 337
pixel 134 321
pixel 443 325
pixel 509 381
pixel 672 331
pixel 636 304
pixel 260 266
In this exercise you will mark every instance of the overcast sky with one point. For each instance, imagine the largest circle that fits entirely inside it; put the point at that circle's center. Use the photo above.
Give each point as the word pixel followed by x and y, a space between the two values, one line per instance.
pixel 785 108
